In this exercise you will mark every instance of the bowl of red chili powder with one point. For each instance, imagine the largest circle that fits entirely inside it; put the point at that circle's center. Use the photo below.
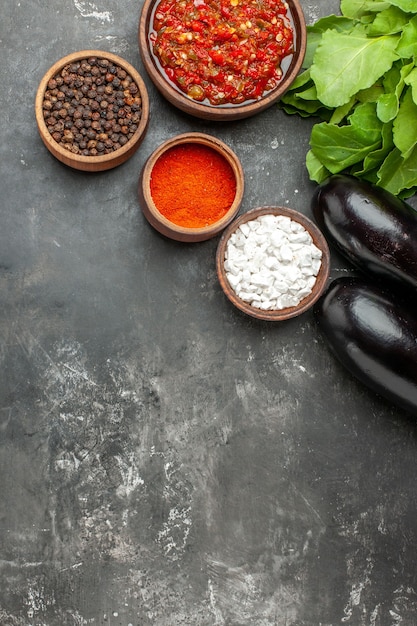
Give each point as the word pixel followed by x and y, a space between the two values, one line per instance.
pixel 224 59
pixel 191 187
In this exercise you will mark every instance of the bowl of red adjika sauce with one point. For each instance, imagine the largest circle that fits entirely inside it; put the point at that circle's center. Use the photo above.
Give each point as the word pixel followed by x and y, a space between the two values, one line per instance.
pixel 191 187
pixel 222 59
pixel 273 263
pixel 92 110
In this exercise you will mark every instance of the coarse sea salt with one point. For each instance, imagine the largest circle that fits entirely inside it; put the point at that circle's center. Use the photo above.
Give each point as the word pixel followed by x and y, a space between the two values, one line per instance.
pixel 271 262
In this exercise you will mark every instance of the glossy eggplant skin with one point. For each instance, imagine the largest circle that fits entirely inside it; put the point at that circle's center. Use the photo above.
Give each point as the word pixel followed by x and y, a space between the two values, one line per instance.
pixel 372 228
pixel 373 333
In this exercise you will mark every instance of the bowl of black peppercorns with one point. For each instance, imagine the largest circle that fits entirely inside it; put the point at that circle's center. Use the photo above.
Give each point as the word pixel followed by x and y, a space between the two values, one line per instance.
pixel 92 110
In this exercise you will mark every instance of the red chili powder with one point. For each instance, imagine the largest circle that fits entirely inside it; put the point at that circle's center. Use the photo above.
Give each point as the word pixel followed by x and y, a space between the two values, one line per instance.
pixel 192 185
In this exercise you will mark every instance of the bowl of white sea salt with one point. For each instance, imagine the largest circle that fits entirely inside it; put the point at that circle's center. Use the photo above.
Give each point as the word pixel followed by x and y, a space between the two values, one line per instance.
pixel 273 263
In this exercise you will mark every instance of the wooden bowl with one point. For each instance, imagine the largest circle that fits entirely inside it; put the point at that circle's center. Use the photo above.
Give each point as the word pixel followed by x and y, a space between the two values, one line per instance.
pixel 283 313
pixel 101 161
pixel 164 225
pixel 203 110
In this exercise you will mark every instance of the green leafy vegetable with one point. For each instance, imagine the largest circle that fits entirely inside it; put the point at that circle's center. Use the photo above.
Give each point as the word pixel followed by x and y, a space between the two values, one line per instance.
pixel 345 63
pixel 411 80
pixel 406 119
pixel 360 79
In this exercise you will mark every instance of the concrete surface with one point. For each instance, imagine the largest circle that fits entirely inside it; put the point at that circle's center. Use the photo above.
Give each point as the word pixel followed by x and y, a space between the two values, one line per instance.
pixel 164 459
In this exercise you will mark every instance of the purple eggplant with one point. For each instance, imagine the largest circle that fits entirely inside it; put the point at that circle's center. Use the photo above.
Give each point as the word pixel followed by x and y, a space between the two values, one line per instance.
pixel 373 333
pixel 372 228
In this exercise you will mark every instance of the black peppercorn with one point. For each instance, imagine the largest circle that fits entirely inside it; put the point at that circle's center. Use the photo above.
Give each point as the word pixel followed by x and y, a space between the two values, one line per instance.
pixel 92 107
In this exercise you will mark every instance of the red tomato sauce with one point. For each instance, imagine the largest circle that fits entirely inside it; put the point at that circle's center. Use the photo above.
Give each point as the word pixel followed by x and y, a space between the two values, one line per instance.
pixel 222 51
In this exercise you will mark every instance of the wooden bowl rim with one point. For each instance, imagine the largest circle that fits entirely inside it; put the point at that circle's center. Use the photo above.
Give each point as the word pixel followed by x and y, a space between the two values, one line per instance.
pixel 67 156
pixel 212 142
pixel 213 112
pixel 322 276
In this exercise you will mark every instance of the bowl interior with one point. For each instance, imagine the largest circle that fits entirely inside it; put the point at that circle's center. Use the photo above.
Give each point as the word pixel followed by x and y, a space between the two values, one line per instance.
pixel 321 279
pixel 169 228
pixel 100 161
pixel 291 66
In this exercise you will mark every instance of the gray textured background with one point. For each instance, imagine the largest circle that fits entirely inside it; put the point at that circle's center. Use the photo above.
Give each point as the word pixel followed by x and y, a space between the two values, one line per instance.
pixel 165 460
